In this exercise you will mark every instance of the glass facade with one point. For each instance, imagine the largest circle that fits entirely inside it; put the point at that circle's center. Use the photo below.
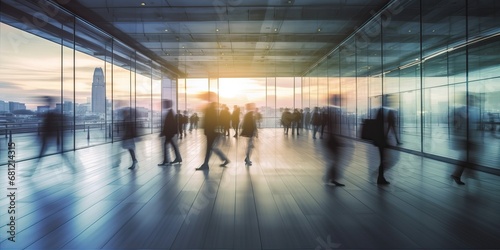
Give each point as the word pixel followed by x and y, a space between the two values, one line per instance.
pixel 88 75
pixel 427 59
pixel 271 95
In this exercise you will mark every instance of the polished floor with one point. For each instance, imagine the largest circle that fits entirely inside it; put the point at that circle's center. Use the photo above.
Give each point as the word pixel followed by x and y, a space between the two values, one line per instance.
pixel 280 202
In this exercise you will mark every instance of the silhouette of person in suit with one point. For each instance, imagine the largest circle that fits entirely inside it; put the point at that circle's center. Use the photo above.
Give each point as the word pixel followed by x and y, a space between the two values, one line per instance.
pixel 316 121
pixel 211 129
pixel 333 143
pixel 225 120
pixel 467 128
pixel 307 118
pixel 385 123
pixel 286 120
pixel 194 121
pixel 129 134
pixel 249 130
pixel 235 119
pixel 180 123
pixel 51 133
pixel 169 131
pixel 185 122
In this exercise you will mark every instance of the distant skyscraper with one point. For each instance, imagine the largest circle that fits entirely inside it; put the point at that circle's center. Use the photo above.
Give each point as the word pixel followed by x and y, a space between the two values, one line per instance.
pixel 98 92
pixel 13 106
pixel 4 106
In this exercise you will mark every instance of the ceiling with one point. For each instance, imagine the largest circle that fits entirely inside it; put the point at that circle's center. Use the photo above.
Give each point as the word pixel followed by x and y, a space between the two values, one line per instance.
pixel 229 38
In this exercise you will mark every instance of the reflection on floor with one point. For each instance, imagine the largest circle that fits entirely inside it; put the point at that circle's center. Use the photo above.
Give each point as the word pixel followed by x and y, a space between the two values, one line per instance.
pixel 280 202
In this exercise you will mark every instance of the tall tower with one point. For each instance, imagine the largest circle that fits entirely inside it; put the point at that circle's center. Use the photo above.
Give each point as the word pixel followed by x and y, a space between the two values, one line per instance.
pixel 98 92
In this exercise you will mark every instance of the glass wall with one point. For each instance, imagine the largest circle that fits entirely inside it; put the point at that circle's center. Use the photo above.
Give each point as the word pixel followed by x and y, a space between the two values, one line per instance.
pixel 271 95
pixel 61 65
pixel 431 61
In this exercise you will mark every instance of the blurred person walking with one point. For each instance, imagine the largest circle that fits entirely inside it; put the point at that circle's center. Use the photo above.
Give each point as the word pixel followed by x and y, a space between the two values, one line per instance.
pixel 211 128
pixel 185 122
pixel 225 120
pixel 180 123
pixel 296 118
pixel 235 119
pixel 385 123
pixel 193 120
pixel 249 130
pixel 51 134
pixel 336 147
pixel 316 120
pixel 169 132
pixel 286 120
pixel 467 135
pixel 129 134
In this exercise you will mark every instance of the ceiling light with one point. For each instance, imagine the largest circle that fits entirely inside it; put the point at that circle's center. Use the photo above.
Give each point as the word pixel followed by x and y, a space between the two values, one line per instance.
pixel 275 30
pixel 143 4
pixel 216 30
pixel 319 29
pixel 166 30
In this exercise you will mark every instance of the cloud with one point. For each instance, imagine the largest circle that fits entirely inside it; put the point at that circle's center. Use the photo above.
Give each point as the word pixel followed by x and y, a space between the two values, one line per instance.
pixel 8 85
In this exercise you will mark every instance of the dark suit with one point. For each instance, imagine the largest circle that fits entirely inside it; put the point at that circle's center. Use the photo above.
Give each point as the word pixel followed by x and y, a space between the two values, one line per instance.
pixel 385 122
pixel 170 128
pixel 249 129
pixel 210 124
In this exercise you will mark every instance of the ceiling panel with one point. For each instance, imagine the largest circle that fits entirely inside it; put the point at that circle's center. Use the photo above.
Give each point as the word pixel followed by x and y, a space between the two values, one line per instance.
pixel 247 37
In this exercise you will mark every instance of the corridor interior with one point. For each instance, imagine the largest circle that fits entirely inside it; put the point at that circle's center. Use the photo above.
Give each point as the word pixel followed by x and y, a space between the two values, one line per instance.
pixel 279 202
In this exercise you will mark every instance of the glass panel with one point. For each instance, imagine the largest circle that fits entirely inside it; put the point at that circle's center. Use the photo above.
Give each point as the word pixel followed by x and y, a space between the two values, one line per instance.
pixel 306 102
pixel 348 90
pixel 182 94
pixel 334 77
pixel 401 52
pixel 363 68
pixel 121 90
pixel 68 90
pixel 409 108
pixel 25 81
pixel 298 93
pixel 156 105
pixel 484 93
pixel 313 91
pixel 284 93
pixel 143 97
pixel 213 87
pixel 196 98
pixel 108 73
pixel 483 18
pixel 271 114
pixel 374 75
pixel 443 27
pixel 90 87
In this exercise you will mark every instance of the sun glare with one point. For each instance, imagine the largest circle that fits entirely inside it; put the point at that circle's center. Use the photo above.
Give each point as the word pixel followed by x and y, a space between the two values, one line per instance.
pixel 232 88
